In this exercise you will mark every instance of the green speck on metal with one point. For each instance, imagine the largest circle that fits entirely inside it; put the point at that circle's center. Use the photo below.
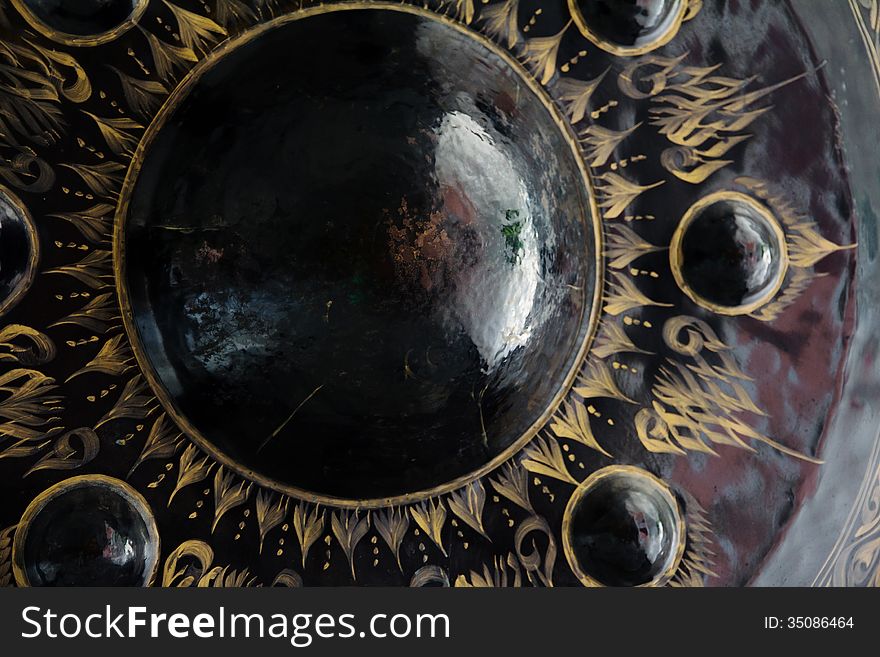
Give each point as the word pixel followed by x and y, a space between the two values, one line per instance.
pixel 511 230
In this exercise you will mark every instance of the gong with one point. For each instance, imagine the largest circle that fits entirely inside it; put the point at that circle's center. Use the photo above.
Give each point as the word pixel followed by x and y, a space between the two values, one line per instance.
pixel 439 294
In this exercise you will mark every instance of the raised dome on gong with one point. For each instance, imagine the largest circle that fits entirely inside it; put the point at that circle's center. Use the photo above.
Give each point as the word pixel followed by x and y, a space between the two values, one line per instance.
pixel 359 255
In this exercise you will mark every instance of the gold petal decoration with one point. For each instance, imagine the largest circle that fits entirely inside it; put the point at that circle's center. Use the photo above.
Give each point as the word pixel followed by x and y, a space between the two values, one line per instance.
pixel 191 470
pixel 308 527
pixel 134 403
pixel 392 525
pixel 575 95
pixel 196 32
pixel 113 359
pixel 430 516
pixel 349 530
pixel 513 483
pixel 93 270
pixel 544 457
pixel 501 21
pixel 229 492
pixel 616 193
pixel 98 315
pixel 95 223
pixel 270 513
pixel 162 442
pixel 573 422
pixel 467 503
pixel 612 339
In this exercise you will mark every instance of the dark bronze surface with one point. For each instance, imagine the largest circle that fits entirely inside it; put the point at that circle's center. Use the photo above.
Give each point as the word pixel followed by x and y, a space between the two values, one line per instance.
pixel 368 275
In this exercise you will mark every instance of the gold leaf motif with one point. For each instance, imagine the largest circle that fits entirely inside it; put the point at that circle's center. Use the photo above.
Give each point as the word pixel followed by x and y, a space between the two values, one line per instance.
pixel 103 179
pixel 464 11
pixel 540 54
pixel 513 483
pixel 798 281
pixel 575 95
pixel 97 315
pixel 616 193
pixel 197 32
pixel 270 513
pixel 698 558
pixel 191 470
pixel 349 530
pixel 65 455
pixel 622 295
pixel 95 223
pixel 93 270
pixel 168 58
pixel 38 348
pixel 230 12
pixel 806 247
pixel 308 527
pixel 228 495
pixel 430 516
pixel 117 133
pixel 544 457
pixel 573 422
pixel 29 407
pixel 392 525
pixel 495 576
pixel 703 115
pixel 29 99
pixel 612 339
pixel 600 144
pixel 468 503
pixel 143 96
pixel 500 21
pixel 596 381
pixel 134 402
pixel 699 406
pixel 113 359
pixel 624 246
pixel 162 442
